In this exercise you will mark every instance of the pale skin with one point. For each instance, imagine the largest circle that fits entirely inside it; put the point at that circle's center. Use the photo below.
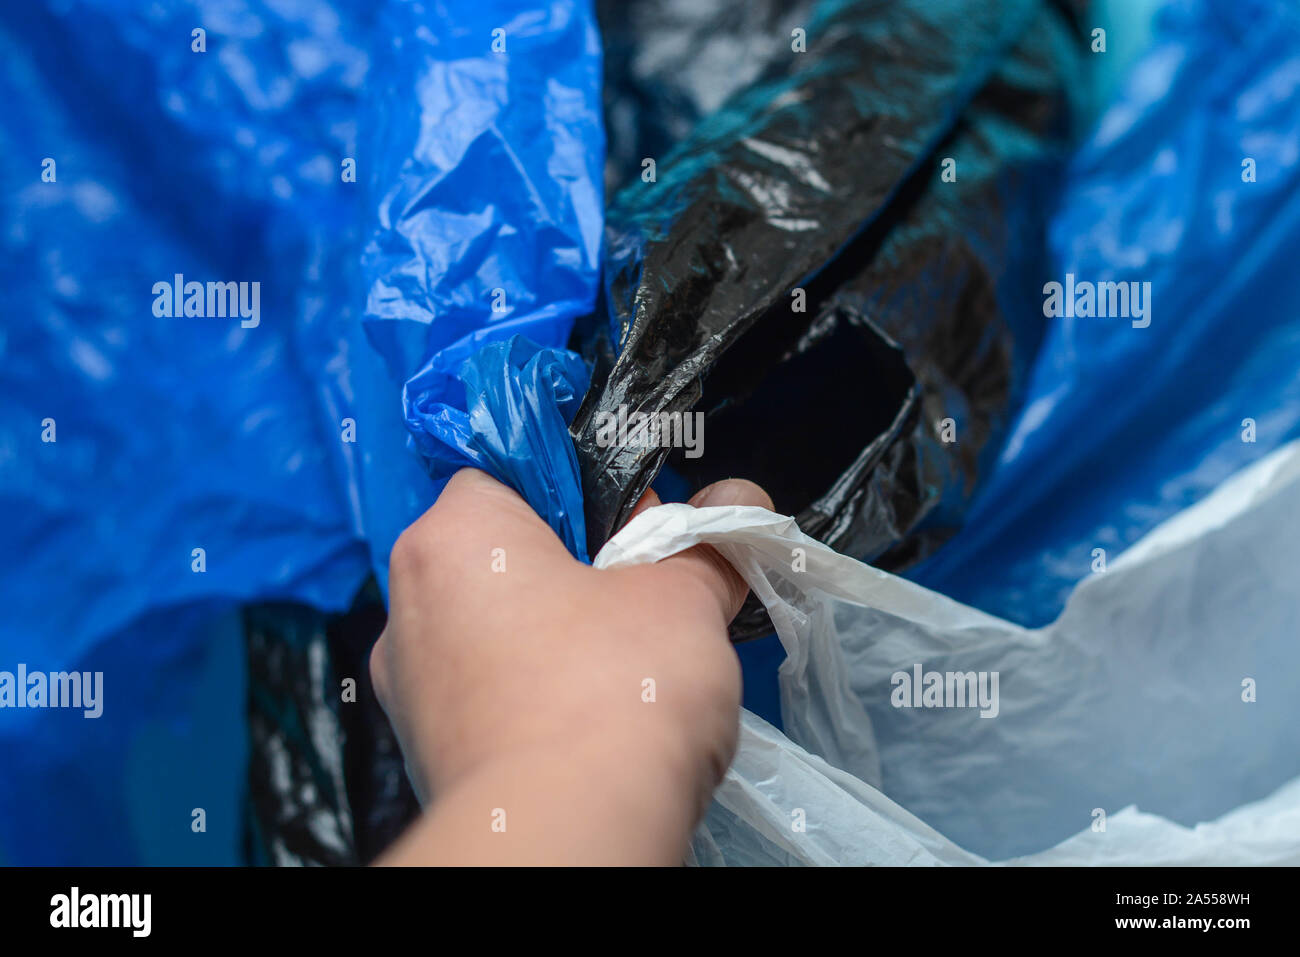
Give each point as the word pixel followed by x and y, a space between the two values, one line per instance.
pixel 518 696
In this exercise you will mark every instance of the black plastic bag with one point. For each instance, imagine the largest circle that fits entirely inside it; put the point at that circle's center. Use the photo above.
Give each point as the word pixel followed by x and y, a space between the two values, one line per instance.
pixel 823 185
pixel 327 783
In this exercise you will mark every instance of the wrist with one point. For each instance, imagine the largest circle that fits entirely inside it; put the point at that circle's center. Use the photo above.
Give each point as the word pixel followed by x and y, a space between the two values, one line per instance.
pixel 594 801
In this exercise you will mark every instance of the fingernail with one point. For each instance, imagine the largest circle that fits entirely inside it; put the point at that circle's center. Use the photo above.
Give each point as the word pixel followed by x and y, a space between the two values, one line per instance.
pixel 726 492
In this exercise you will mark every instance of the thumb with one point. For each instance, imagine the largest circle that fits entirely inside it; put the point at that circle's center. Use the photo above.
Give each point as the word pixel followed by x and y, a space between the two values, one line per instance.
pixel 704 562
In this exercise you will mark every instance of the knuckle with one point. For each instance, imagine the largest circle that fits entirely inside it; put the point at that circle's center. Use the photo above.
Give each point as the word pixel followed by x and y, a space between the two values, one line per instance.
pixel 378 671
pixel 410 554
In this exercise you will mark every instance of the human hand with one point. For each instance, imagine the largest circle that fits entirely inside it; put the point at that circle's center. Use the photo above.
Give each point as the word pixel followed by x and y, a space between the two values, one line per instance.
pixel 516 680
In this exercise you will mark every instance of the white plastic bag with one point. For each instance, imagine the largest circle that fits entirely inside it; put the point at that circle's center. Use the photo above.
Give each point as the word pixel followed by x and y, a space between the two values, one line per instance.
pixel 1170 683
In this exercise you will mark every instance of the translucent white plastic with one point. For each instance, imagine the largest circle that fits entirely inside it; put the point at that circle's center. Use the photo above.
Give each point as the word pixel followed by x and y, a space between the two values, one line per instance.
pixel 1156 721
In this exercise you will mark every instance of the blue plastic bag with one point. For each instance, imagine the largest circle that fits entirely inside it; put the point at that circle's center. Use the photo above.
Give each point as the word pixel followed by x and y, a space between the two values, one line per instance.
pixel 490 207
pixel 1190 182
pixel 519 401
pixel 160 470
pixel 488 189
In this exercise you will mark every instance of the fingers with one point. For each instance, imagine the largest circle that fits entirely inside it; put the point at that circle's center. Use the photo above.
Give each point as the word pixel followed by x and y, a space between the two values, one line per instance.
pixel 474 496
pixel 722 581
pixel 649 500
pixel 732 492
pixel 477 528
pixel 475 510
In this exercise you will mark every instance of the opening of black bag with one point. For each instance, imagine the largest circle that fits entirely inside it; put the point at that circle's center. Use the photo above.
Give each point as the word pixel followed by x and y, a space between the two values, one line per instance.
pixel 816 395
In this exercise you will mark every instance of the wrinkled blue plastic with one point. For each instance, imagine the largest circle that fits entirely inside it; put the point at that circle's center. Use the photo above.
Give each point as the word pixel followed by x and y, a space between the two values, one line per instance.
pixel 1125 426
pixel 490 226
pixel 490 200
pixel 519 401
pixel 475 171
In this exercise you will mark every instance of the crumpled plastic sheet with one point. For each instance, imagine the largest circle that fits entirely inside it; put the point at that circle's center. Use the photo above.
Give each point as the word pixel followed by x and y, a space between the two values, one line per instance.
pixel 326 779
pixel 491 214
pixel 825 175
pixel 519 400
pixel 172 433
pixel 668 65
pixel 1161 704
pixel 489 189
pixel 1122 427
